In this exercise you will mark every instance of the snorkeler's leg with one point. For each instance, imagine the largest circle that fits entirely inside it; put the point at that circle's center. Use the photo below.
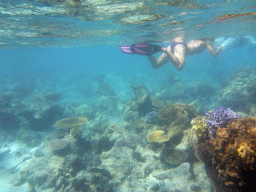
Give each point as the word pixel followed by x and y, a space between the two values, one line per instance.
pixel 251 39
pixel 178 55
pixel 163 59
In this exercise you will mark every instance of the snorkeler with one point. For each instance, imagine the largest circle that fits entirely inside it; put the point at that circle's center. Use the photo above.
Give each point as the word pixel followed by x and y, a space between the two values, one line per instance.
pixel 176 52
pixel 235 42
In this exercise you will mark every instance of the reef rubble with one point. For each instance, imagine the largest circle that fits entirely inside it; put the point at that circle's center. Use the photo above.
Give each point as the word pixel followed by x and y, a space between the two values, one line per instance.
pixel 149 142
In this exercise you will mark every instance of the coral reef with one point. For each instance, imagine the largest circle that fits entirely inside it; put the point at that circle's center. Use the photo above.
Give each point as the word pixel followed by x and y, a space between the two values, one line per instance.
pixel 74 124
pixel 60 133
pixel 126 141
pixel 189 140
pixel 40 119
pixel 174 120
pixel 239 90
pixel 109 155
pixel 138 125
pixel 219 118
pixel 175 157
pixel 152 117
pixel 157 136
pixel 38 108
pixel 176 117
pixel 60 147
pixel 229 157
pixel 77 109
pixel 23 90
pixel 107 104
pixel 52 97
pixel 199 127
pixel 177 114
pixel 141 102
pixel 143 144
pixel 5 102
pixel 71 122
pixel 180 179
pixel 197 93
pixel 30 138
pixel 8 117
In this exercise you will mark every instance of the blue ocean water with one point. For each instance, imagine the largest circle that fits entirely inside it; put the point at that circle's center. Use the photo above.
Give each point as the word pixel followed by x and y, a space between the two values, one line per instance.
pixel 75 110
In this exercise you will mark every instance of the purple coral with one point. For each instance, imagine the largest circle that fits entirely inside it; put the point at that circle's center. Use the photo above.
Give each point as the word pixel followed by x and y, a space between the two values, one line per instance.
pixel 219 118
pixel 152 117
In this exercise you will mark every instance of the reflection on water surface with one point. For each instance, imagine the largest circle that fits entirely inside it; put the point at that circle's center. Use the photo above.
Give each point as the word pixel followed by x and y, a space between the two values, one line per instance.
pixel 72 22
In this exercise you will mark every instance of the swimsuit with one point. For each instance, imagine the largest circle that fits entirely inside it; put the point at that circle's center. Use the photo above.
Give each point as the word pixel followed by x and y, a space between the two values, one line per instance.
pixel 173 45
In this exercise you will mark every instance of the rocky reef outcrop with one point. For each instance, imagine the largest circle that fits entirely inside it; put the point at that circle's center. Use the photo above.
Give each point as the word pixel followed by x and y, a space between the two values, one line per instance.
pixel 239 90
pixel 197 93
pixel 148 143
pixel 229 155
pixel 141 103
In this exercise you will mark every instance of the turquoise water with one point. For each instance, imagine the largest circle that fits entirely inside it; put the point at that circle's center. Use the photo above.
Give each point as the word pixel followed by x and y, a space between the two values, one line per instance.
pixel 60 59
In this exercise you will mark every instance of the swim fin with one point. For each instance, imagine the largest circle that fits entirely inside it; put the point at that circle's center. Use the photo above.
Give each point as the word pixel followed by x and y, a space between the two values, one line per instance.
pixel 126 49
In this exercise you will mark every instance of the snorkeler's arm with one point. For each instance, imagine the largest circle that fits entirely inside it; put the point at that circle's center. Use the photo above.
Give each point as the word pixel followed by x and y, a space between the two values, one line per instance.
pixel 211 50
pixel 177 57
pixel 251 40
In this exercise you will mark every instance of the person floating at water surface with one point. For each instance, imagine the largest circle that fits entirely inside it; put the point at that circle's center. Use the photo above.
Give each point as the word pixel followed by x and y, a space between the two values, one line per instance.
pixel 235 42
pixel 176 52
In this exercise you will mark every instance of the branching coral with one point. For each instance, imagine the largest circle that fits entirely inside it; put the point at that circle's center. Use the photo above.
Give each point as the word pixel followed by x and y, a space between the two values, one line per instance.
pixel 219 118
pixel 230 157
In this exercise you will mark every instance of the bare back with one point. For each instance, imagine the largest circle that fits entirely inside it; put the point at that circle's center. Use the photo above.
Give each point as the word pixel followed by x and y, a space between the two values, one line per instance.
pixel 195 46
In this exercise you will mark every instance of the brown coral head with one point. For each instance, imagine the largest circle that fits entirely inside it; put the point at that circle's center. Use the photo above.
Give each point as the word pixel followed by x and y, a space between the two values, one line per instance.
pixel 231 155
pixel 177 114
